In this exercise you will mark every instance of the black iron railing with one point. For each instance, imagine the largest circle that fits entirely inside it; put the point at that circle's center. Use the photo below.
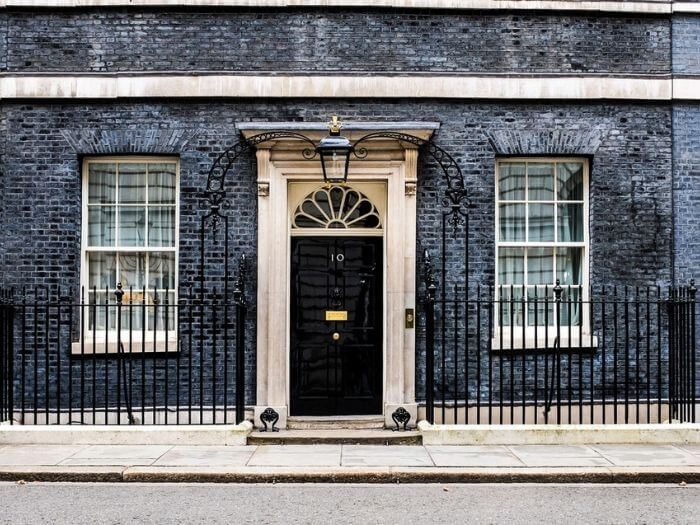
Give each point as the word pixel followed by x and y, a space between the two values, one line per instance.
pixel 123 356
pixel 559 354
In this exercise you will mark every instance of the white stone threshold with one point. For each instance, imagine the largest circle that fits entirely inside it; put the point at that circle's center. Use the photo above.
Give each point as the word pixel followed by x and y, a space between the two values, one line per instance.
pixel 558 434
pixel 125 435
pixel 638 6
pixel 499 87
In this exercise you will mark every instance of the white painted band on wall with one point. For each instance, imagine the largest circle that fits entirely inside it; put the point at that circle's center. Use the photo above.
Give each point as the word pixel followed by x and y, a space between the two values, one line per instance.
pixel 686 88
pixel 345 86
pixel 641 6
pixel 686 7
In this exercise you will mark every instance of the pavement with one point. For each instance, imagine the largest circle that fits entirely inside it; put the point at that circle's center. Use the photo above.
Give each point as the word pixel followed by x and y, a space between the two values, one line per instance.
pixel 352 463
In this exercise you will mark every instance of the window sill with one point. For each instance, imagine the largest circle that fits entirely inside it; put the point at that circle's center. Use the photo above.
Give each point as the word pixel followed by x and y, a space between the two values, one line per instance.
pixel 585 343
pixel 101 347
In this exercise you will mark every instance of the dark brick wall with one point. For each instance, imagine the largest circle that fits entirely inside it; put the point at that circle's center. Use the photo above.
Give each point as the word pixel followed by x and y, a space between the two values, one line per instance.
pixel 337 40
pixel 631 185
pixel 686 44
pixel 3 143
pixel 686 190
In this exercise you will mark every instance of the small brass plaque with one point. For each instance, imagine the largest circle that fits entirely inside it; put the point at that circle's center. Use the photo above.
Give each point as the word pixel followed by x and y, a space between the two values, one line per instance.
pixel 336 315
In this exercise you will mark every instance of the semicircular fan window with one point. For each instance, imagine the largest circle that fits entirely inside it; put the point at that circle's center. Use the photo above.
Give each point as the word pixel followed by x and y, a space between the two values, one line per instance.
pixel 337 207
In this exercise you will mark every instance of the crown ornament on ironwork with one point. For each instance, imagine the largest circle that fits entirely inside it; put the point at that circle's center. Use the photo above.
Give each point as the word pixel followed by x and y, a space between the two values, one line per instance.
pixel 335 125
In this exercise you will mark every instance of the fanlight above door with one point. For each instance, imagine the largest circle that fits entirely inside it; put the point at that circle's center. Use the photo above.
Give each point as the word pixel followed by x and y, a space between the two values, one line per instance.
pixel 336 207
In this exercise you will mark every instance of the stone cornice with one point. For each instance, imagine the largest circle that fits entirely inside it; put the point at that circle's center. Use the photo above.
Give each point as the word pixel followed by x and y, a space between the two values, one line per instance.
pixel 416 86
pixel 620 6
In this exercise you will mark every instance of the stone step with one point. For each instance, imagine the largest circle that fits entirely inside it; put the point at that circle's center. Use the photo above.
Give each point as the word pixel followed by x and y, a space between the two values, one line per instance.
pixel 335 423
pixel 335 437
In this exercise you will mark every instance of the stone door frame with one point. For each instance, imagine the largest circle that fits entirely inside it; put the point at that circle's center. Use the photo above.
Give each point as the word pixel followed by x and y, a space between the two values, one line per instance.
pixel 280 164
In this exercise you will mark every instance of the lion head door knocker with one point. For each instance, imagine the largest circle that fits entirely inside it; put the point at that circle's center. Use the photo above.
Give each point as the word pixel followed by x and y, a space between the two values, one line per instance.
pixel 336 298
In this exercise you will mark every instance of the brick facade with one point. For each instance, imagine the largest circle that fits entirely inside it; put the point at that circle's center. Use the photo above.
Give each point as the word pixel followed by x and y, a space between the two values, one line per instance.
pixel 337 40
pixel 636 197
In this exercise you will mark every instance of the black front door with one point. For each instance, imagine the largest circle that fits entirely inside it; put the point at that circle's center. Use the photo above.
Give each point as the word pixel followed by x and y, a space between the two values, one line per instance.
pixel 336 364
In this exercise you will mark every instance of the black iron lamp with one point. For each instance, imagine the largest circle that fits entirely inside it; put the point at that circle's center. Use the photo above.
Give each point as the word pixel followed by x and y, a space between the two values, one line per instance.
pixel 334 151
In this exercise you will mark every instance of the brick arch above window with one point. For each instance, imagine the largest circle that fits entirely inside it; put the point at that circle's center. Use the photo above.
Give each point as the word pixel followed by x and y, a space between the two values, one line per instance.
pixel 544 142
pixel 124 141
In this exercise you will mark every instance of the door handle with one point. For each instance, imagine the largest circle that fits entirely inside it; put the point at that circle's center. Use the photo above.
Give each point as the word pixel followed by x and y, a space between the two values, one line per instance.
pixel 336 336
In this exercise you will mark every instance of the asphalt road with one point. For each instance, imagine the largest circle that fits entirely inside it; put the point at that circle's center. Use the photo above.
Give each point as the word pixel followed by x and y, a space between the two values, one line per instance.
pixel 77 503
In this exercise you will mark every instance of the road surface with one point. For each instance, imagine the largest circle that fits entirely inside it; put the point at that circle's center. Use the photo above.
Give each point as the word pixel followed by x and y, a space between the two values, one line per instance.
pixel 77 503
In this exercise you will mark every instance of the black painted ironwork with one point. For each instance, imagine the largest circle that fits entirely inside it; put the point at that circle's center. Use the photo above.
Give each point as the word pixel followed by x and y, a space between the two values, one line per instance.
pixel 269 416
pixel 56 369
pixel 601 355
pixel 401 417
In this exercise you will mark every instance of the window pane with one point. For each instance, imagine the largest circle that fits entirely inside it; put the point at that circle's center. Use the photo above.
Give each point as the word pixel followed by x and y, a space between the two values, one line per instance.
pixel 540 266
pixel 132 270
pixel 132 226
pixel 161 271
pixel 512 219
pixel 570 181
pixel 540 311
pixel 570 266
pixel 161 183
pixel 510 307
pixel 163 313
pixel 101 226
pixel 102 271
pixel 541 222
pixel 132 183
pixel 540 181
pixel 101 183
pixel 570 222
pixel 161 226
pixel 511 264
pixel 511 181
pixel 99 311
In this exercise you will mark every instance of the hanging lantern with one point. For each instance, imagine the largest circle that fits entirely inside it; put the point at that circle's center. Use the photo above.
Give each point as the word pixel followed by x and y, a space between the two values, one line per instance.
pixel 334 152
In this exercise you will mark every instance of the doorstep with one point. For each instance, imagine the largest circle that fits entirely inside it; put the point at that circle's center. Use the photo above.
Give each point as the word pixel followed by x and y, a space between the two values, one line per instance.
pixel 339 436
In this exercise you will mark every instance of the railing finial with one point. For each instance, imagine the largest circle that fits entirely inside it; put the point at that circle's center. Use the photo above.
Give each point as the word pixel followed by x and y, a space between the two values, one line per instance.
pixel 119 293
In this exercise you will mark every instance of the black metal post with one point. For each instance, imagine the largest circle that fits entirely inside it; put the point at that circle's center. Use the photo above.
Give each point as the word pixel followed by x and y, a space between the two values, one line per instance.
pixel 431 288
pixel 241 309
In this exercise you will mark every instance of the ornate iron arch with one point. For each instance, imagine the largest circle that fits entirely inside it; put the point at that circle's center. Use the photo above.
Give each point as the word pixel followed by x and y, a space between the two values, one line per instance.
pixel 455 196
pixel 215 193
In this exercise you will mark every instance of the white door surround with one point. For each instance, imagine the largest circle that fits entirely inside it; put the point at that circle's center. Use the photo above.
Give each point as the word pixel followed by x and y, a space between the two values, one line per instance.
pixel 388 176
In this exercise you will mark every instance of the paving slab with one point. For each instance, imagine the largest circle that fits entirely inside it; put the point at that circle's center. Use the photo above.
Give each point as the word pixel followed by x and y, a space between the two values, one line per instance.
pixel 385 456
pixel 693 448
pixel 297 456
pixel 647 455
pixel 122 452
pixel 559 456
pixel 473 456
pixel 105 462
pixel 31 455
pixel 213 456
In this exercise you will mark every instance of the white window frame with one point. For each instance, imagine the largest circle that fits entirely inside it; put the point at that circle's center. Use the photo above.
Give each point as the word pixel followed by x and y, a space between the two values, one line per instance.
pixel 571 336
pixel 102 341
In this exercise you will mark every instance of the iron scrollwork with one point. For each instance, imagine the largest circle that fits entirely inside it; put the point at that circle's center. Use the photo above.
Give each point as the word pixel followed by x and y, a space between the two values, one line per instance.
pixel 401 416
pixel 455 195
pixel 215 193
pixel 269 416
